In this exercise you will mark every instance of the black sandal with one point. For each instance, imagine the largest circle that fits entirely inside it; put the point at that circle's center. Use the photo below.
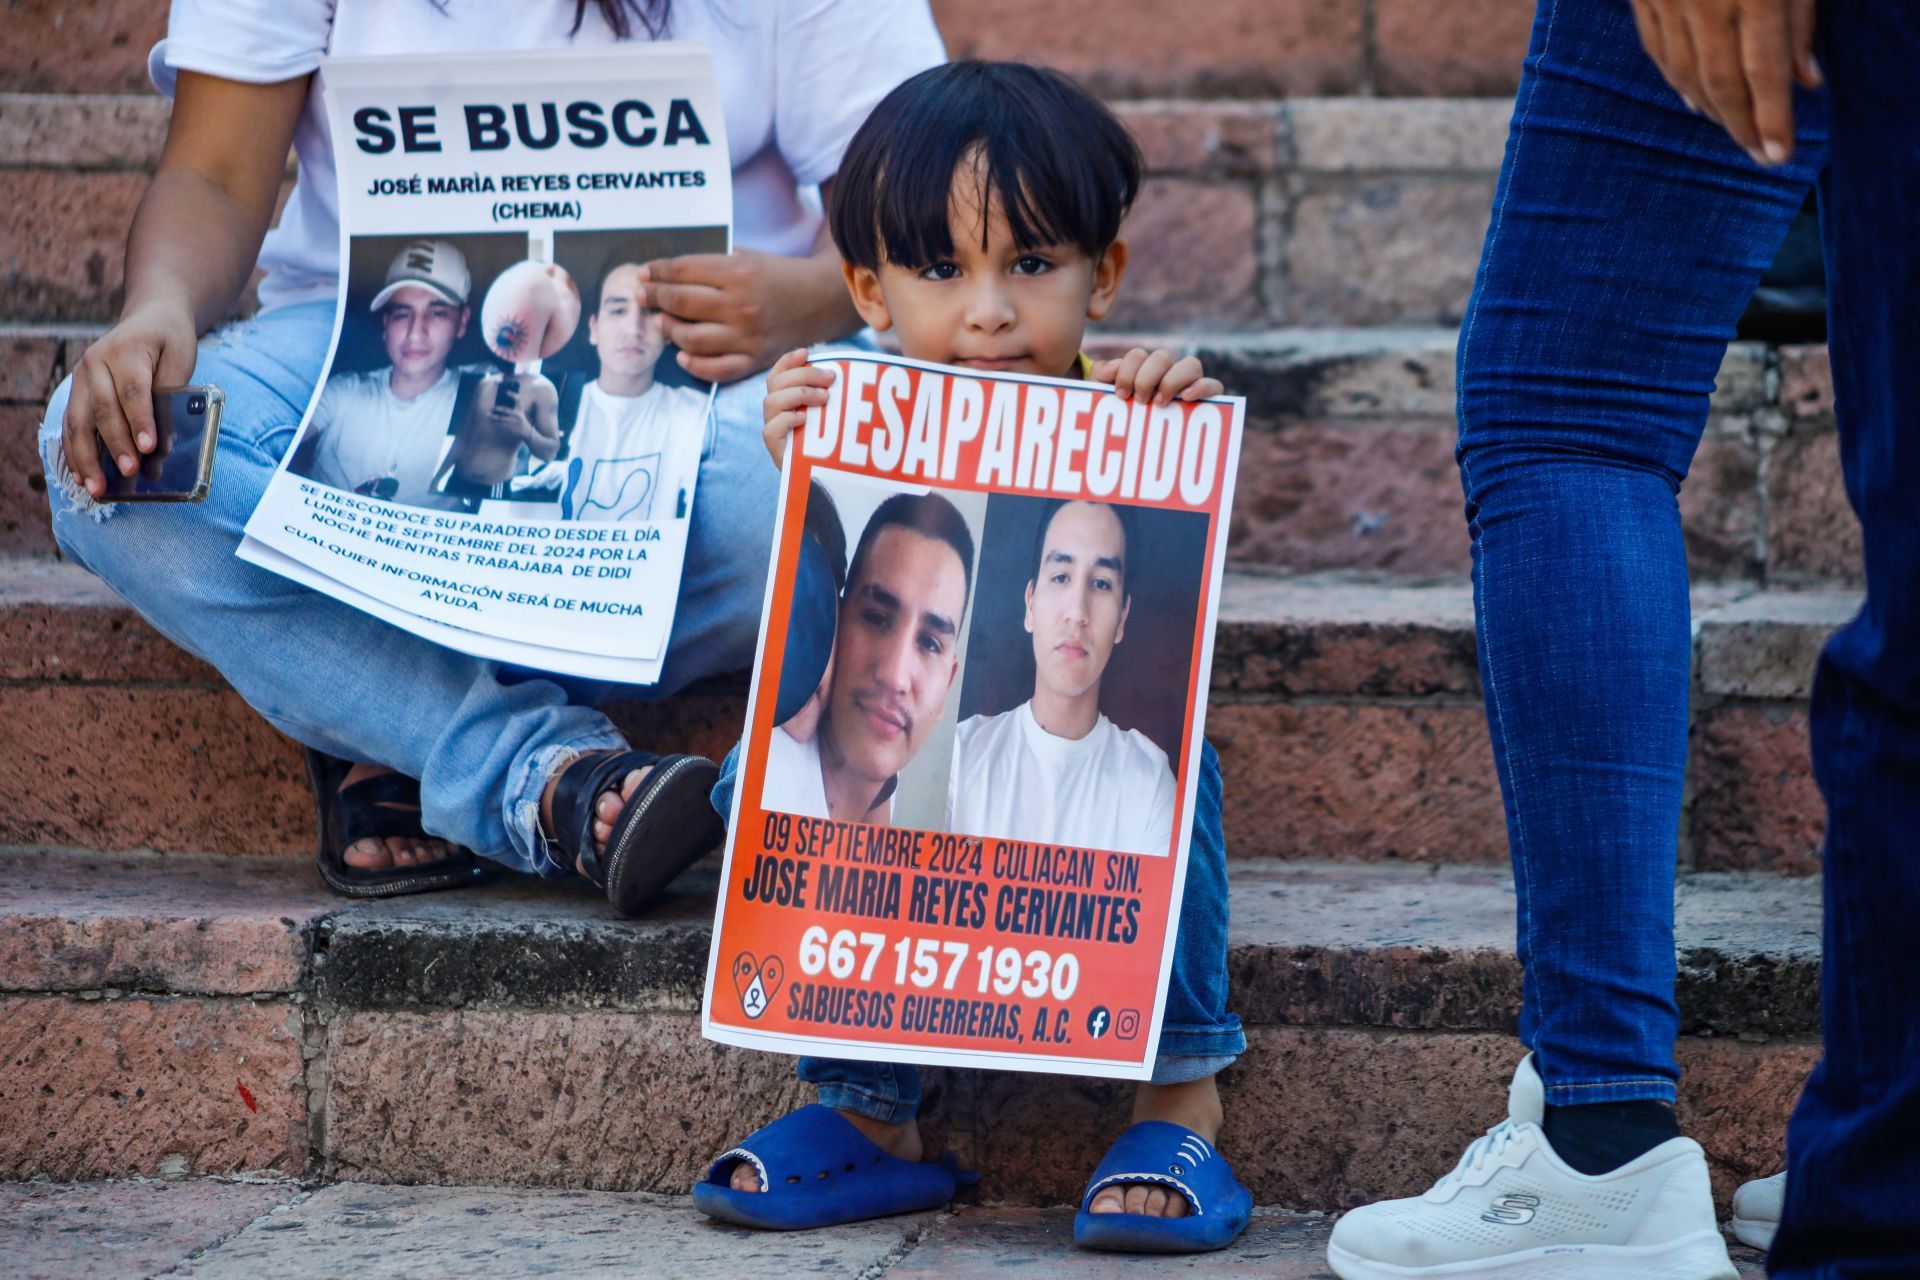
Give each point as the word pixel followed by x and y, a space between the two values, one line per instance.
pixel 664 828
pixel 388 805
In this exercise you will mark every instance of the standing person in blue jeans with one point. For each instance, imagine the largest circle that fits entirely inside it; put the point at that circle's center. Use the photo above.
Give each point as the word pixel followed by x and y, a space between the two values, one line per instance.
pixel 420 754
pixel 1628 232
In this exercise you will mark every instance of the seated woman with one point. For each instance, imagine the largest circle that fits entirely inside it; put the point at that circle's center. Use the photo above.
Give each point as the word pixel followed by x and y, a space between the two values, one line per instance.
pixel 420 754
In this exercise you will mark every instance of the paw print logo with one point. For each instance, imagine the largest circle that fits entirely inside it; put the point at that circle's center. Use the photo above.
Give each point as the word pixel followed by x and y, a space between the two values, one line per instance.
pixel 756 982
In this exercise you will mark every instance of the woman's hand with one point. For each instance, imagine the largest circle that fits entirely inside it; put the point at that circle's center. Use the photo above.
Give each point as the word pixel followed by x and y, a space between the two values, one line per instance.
pixel 730 314
pixel 1735 61
pixel 1158 376
pixel 112 398
pixel 793 387
pixel 189 253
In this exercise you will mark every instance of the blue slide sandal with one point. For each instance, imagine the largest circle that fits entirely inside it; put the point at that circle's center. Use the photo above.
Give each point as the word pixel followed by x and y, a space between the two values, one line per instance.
pixel 1175 1157
pixel 817 1170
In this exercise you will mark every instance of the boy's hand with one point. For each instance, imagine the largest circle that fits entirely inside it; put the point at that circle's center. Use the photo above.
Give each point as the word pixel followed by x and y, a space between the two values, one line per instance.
pixel 1157 376
pixel 793 386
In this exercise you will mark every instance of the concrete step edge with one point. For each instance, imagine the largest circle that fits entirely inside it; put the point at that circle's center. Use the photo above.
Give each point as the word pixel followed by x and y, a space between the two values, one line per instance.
pixel 1281 635
pixel 1313 944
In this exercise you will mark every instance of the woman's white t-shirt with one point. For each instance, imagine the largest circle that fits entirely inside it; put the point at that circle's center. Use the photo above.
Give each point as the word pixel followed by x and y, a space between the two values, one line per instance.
pixel 796 78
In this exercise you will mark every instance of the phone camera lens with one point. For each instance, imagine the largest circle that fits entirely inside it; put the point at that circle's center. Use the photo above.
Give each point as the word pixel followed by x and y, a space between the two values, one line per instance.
pixel 196 405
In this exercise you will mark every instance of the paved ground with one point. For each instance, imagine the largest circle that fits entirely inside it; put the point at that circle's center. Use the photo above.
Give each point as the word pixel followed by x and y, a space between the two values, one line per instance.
pixel 242 1231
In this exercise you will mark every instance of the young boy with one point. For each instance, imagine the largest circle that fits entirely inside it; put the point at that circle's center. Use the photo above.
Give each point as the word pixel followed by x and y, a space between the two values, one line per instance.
pixel 978 212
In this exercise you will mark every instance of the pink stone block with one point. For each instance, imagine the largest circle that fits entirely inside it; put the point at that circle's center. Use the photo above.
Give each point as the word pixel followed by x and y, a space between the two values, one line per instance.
pixel 83 131
pixel 1812 532
pixel 1385 250
pixel 99 47
pixel 1204 137
pixel 1281 635
pixel 1373 498
pixel 1735 1099
pixel 1193 256
pixel 1806 381
pixel 65 236
pixel 1464 48
pixel 214 777
pixel 1756 806
pixel 24 530
pixel 597 1100
pixel 115 1088
pixel 189 924
pixel 1720 510
pixel 60 623
pixel 1133 48
pixel 26 369
pixel 1358 781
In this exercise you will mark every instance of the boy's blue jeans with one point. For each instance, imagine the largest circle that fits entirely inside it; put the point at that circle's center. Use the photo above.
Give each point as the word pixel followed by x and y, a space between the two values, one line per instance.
pixel 1627 235
pixel 482 738
pixel 1198 1036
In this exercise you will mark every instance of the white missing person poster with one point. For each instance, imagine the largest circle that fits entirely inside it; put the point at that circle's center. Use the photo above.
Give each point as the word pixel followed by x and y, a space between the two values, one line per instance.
pixel 502 451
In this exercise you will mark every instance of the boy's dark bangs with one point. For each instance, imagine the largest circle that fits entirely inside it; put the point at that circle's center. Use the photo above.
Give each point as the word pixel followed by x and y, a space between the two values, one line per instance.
pixel 1062 167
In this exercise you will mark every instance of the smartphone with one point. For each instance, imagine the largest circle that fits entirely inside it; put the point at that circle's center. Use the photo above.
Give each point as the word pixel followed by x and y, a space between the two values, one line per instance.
pixel 180 469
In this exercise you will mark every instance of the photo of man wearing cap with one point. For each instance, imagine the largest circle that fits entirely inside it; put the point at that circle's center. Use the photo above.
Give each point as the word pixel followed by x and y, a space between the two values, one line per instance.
pixel 382 432
pixel 1054 769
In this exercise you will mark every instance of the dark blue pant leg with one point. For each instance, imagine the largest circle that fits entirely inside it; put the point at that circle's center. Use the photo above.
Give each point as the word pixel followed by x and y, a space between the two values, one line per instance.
pixel 1853 1183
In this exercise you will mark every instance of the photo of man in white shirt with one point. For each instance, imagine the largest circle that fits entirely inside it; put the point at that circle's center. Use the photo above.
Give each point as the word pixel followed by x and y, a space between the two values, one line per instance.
pixel 383 432
pixel 633 452
pixel 895 660
pixel 1054 770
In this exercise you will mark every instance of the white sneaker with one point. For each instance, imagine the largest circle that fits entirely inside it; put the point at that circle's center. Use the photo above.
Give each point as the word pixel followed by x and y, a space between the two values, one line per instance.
pixel 1756 1210
pixel 1511 1209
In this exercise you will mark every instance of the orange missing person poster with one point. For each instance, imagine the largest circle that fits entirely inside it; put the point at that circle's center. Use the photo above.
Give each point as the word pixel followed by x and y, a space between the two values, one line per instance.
pixel 960 830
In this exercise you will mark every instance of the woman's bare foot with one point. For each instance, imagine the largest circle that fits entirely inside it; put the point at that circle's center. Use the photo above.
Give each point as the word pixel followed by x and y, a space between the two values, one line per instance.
pixel 376 853
pixel 606 810
pixel 1195 1104
pixel 901 1140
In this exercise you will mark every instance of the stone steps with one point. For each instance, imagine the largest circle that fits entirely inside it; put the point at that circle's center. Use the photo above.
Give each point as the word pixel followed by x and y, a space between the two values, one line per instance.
pixel 1329 211
pixel 1347 716
pixel 201 1015
pixel 1348 460
pixel 1241 47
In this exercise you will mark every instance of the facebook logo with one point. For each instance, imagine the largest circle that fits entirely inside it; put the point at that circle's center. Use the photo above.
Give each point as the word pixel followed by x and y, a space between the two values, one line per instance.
pixel 1098 1021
